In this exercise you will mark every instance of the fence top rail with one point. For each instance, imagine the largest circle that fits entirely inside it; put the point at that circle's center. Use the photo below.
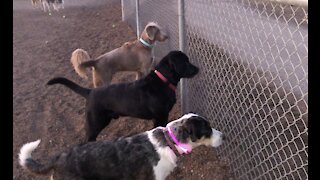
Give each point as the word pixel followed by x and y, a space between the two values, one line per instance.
pixel 303 3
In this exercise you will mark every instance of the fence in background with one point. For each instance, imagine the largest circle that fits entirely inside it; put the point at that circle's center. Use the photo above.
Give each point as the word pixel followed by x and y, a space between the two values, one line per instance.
pixel 252 84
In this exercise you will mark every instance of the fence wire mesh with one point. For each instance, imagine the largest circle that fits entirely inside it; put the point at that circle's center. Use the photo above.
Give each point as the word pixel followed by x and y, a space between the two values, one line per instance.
pixel 252 84
pixel 129 12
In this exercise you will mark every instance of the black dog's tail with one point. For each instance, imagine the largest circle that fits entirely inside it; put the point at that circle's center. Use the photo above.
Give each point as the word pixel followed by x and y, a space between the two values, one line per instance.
pixel 89 63
pixel 73 86
pixel 27 162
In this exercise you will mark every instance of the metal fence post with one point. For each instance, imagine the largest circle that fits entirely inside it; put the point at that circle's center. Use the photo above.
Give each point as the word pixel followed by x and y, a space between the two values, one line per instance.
pixel 137 18
pixel 122 10
pixel 182 48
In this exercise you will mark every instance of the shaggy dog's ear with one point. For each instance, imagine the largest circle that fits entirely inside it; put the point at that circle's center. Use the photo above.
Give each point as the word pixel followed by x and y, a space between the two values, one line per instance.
pixel 197 127
pixel 152 32
pixel 188 130
pixel 191 131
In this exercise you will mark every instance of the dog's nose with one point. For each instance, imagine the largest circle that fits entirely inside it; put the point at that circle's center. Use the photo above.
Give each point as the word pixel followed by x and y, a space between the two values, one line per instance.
pixel 194 69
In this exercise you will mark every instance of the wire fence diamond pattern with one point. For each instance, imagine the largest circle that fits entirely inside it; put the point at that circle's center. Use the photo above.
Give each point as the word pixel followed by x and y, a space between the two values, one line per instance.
pixel 253 80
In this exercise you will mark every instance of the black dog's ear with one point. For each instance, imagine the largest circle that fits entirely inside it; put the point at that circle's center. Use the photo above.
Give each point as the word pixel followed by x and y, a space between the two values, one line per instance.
pixel 178 67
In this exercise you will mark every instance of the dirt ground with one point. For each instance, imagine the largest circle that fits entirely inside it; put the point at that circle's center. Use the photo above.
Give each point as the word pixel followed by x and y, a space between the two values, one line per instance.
pixel 42 47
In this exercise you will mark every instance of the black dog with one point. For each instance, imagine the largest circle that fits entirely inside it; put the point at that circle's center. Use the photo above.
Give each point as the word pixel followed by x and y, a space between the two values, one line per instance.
pixel 151 97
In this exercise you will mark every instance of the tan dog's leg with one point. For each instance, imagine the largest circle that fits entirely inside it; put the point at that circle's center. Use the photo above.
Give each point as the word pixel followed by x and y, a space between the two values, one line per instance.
pixel 55 7
pixel 146 69
pixel 46 6
pixel 154 63
pixel 51 177
pixel 96 79
pixel 101 79
pixel 138 75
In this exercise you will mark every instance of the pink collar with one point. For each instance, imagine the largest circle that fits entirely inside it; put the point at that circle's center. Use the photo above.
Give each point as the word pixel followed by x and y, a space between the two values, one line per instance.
pixel 185 148
pixel 164 79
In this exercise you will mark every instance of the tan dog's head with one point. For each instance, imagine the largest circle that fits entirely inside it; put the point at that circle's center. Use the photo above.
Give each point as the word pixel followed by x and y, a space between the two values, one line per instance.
pixel 154 32
pixel 195 130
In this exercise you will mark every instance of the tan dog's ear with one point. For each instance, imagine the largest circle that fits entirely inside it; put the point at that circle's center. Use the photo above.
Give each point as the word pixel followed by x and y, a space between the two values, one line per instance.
pixel 152 32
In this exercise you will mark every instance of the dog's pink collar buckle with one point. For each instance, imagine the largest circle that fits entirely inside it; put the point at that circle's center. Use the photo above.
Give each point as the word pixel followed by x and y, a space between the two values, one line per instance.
pixel 164 79
pixel 185 148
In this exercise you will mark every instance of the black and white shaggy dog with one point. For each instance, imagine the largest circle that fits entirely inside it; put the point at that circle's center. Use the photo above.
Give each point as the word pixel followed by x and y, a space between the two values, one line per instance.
pixel 151 97
pixel 145 156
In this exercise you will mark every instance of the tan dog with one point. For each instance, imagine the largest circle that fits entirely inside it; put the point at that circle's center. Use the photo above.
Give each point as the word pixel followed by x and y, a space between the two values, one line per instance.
pixel 131 56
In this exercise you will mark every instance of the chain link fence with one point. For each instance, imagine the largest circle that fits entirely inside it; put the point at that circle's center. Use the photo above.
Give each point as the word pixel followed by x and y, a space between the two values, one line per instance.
pixel 253 78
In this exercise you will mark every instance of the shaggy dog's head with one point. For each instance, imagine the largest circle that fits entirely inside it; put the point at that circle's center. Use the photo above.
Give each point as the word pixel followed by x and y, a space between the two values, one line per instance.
pixel 195 130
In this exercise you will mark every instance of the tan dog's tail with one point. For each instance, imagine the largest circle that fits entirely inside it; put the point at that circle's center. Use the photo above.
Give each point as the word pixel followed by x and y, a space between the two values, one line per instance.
pixel 80 56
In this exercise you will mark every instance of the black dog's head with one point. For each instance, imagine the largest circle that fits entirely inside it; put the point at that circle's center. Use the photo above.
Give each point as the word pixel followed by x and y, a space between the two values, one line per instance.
pixel 195 130
pixel 175 65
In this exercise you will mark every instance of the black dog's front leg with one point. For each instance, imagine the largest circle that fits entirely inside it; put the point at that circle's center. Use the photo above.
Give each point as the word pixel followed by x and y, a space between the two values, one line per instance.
pixel 96 121
pixel 160 121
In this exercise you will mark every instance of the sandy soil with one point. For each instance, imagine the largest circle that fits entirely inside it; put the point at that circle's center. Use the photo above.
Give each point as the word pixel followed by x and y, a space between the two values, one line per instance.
pixel 42 46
